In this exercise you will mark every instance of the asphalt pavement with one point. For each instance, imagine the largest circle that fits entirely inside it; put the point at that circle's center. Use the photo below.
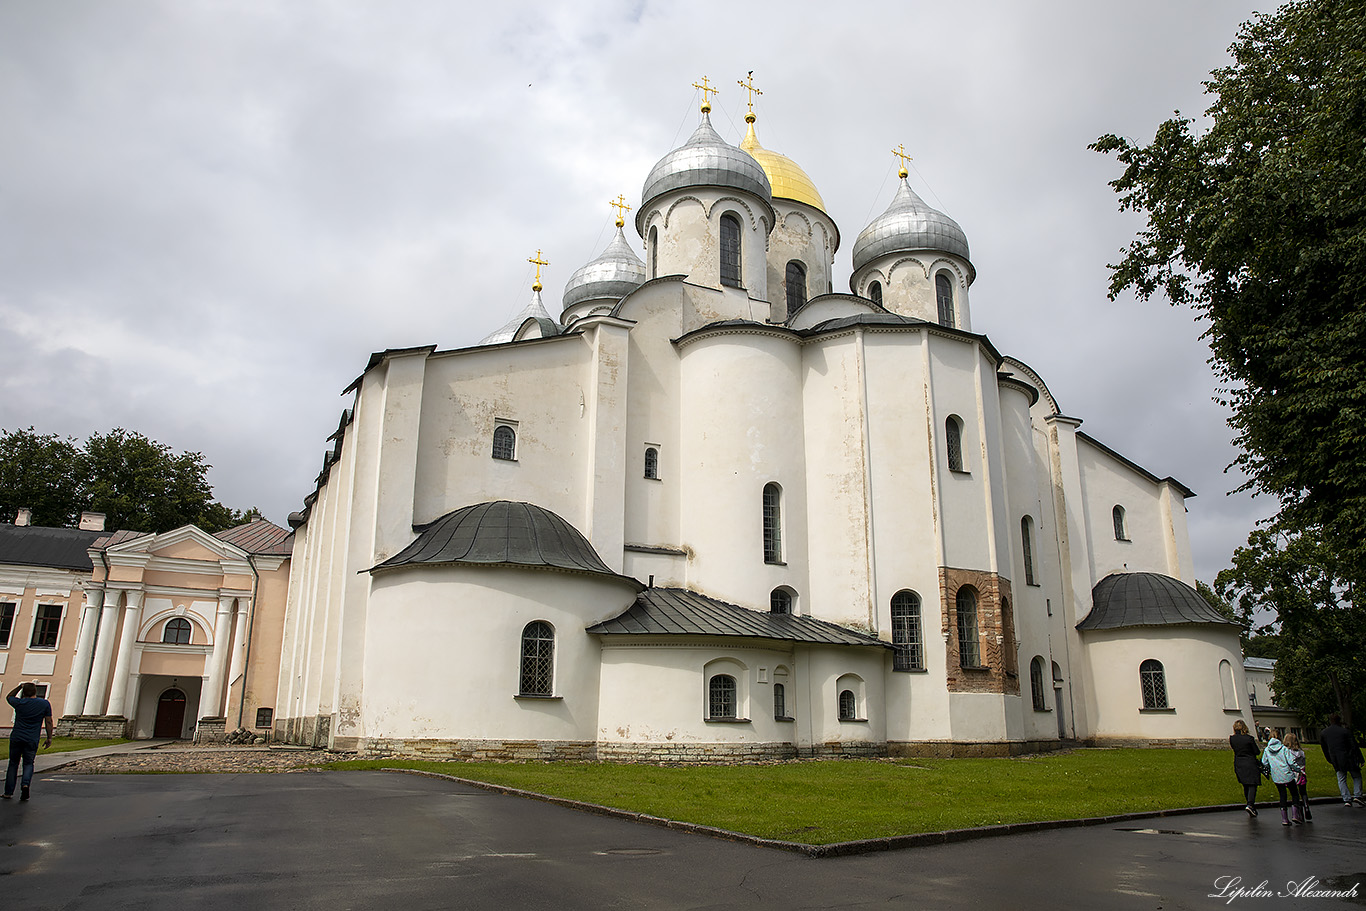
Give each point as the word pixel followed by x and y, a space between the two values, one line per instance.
pixel 381 840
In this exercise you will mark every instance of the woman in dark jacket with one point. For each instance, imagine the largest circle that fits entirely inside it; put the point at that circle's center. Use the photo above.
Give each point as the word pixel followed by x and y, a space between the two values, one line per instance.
pixel 1246 765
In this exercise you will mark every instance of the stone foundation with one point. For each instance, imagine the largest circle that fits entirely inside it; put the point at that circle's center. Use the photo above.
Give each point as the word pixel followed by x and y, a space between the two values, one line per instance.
pixel 91 727
pixel 690 753
pixel 1184 743
pixel 496 750
pixel 840 750
pixel 948 749
pixel 211 730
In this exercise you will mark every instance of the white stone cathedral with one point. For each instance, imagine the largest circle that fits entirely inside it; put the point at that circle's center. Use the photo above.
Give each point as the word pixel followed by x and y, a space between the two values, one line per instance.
pixel 717 510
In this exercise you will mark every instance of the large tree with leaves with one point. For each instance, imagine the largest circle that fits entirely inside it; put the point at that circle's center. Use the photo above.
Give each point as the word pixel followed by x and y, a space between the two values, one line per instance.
pixel 138 483
pixel 1259 223
pixel 1294 585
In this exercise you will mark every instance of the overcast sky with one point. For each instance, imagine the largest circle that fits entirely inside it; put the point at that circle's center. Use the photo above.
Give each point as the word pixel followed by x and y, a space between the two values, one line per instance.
pixel 211 213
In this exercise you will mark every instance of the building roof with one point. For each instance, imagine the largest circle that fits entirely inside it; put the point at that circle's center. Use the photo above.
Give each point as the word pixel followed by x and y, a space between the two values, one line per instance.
pixel 1259 664
pixel 37 545
pixel 785 176
pixel 613 275
pixel 909 224
pixel 260 537
pixel 534 310
pixel 679 612
pixel 1147 599
pixel 705 160
pixel 502 532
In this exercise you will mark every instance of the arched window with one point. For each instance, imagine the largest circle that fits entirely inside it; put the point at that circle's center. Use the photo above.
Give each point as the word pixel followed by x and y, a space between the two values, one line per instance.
pixel 773 534
pixel 730 250
pixel 875 293
pixel 796 287
pixel 721 696
pixel 953 441
pixel 780 601
pixel 504 443
pixel 1036 684
pixel 969 650
pixel 1027 544
pixel 1154 682
pixel 654 253
pixel 908 648
pixel 943 293
pixel 177 631
pixel 652 463
pixel 538 659
pixel 848 705
pixel 779 701
pixel 1226 684
pixel 1118 514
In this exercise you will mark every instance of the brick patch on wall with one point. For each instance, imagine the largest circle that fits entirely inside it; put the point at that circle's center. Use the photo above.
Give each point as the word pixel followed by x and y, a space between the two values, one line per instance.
pixel 995 632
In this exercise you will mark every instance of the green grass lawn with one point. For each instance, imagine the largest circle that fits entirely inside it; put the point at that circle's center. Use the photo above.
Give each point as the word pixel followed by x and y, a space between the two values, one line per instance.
pixel 67 744
pixel 821 802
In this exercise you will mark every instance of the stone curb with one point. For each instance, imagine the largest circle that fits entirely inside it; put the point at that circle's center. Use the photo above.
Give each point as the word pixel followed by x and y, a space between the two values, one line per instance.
pixel 843 848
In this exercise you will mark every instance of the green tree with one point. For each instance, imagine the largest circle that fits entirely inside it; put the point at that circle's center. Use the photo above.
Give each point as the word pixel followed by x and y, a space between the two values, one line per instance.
pixel 40 472
pixel 1259 224
pixel 1297 583
pixel 138 483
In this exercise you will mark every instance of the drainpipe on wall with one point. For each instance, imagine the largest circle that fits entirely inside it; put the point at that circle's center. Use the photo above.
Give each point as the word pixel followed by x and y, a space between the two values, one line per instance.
pixel 251 622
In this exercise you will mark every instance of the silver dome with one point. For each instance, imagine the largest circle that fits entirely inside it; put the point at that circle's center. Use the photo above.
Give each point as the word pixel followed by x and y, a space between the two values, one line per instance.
pixel 705 160
pixel 534 310
pixel 909 224
pixel 612 276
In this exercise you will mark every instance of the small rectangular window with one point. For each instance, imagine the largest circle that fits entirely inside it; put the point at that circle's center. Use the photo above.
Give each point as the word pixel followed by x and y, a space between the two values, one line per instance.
pixel 47 626
pixel 264 717
pixel 42 691
pixel 7 611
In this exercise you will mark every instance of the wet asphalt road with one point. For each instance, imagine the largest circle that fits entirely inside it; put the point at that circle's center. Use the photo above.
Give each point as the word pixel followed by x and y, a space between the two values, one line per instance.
pixel 377 840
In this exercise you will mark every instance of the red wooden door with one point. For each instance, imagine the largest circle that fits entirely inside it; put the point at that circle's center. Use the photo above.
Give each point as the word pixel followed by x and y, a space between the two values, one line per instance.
pixel 170 715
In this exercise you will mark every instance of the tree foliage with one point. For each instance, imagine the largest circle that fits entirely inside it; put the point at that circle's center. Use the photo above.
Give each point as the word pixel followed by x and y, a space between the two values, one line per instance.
pixel 1297 586
pixel 1259 224
pixel 138 483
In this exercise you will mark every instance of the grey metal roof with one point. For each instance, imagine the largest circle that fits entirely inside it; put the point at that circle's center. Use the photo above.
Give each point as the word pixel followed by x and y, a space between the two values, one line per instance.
pixel 909 224
pixel 534 310
pixel 37 545
pixel 612 276
pixel 1147 599
pixel 501 532
pixel 1260 664
pixel 705 160
pixel 260 537
pixel 679 612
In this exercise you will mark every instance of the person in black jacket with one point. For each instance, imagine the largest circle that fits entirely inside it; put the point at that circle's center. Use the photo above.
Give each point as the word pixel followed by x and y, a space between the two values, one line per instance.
pixel 1246 765
pixel 1341 750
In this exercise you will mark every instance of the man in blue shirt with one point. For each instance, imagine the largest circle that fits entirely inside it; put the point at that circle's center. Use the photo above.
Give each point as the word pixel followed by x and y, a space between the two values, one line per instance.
pixel 30 714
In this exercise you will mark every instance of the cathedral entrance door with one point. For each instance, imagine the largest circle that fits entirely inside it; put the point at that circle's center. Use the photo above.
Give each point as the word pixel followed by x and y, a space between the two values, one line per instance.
pixel 170 715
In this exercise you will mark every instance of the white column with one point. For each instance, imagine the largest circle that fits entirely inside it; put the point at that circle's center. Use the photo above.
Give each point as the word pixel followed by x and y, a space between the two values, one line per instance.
pixel 85 653
pixel 239 648
pixel 104 653
pixel 123 667
pixel 211 702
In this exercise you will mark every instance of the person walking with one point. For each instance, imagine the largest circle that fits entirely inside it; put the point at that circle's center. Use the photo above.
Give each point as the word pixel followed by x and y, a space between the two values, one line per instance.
pixel 1341 750
pixel 1279 762
pixel 1245 764
pixel 1292 743
pixel 31 712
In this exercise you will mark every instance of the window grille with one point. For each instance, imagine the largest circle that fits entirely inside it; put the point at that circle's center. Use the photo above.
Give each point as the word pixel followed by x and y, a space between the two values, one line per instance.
pixel 264 717
pixel 780 601
pixel 969 651
pixel 779 701
pixel 908 646
pixel 1154 681
pixel 721 690
pixel 1036 684
pixel 875 293
pixel 796 287
pixel 953 440
pixel 7 610
pixel 848 705
pixel 538 659
pixel 652 463
pixel 47 627
pixel 1118 514
pixel 730 250
pixel 1027 544
pixel 773 540
pixel 504 443
pixel 943 292
pixel 177 631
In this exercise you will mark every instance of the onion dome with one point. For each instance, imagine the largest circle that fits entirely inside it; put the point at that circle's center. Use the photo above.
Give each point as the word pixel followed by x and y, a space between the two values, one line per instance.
pixel 534 310
pixel 705 160
pixel 612 276
pixel 785 176
pixel 909 225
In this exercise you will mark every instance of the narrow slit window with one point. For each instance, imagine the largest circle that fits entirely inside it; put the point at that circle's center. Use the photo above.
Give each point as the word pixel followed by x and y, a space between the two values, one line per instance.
pixel 953 443
pixel 943 292
pixel 652 463
pixel 908 646
pixel 1027 545
pixel 875 293
pixel 1036 684
pixel 796 287
pixel 1118 515
pixel 730 250
pixel 773 534
pixel 969 648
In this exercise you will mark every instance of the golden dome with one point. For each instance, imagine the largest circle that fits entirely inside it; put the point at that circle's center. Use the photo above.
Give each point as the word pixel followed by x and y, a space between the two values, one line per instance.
pixel 785 176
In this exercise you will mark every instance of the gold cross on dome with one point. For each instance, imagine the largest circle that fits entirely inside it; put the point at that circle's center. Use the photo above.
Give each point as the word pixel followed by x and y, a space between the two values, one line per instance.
pixel 900 152
pixel 622 208
pixel 536 286
pixel 748 85
pixel 707 92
